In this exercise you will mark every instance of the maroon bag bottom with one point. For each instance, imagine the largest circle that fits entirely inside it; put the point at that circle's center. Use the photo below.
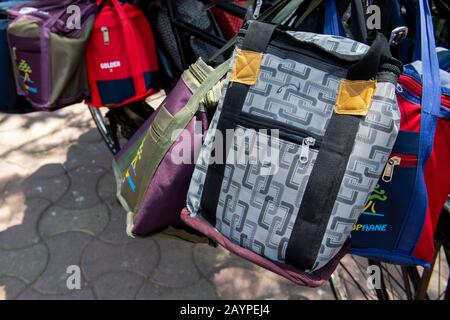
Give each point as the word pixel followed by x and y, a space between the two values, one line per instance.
pixel 315 279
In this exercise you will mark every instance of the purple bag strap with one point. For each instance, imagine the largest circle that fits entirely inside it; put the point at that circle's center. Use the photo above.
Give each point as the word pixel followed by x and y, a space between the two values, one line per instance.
pixel 56 9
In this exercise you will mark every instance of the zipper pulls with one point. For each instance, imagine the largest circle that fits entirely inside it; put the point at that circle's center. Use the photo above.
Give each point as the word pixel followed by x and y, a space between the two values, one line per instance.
pixel 105 32
pixel 389 169
pixel 304 155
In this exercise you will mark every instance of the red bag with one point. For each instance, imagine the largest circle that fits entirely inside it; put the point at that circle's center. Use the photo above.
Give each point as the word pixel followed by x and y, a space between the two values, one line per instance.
pixel 121 56
pixel 437 168
pixel 229 23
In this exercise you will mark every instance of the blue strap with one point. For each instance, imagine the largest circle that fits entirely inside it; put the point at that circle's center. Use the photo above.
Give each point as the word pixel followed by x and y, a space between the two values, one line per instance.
pixel 431 94
pixel 333 25
pixel 431 98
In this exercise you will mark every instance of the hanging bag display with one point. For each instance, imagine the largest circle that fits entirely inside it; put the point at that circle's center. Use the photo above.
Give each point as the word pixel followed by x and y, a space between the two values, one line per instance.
pixel 399 219
pixel 332 102
pixel 154 169
pixel 47 51
pixel 10 101
pixel 121 56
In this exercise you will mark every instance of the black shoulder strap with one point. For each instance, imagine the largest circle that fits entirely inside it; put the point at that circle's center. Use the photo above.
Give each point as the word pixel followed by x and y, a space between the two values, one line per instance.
pixel 368 66
pixel 329 170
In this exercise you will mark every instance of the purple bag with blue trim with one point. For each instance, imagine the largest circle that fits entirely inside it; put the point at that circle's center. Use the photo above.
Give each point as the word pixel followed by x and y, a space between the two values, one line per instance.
pixel 47 40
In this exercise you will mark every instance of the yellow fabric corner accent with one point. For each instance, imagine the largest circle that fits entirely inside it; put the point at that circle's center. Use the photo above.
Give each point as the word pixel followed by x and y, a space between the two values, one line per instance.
pixel 246 67
pixel 354 97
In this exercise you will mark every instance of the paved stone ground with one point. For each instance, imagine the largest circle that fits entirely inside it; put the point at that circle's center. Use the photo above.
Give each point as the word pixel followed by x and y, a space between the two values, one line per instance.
pixel 58 208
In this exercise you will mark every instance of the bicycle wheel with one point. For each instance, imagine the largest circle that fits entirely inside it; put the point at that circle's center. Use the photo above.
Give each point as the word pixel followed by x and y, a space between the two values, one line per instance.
pixel 395 282
pixel 107 130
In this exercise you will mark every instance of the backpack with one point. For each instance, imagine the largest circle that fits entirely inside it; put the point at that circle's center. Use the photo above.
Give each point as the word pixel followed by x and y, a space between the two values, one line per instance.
pixel 40 33
pixel 10 102
pixel 230 23
pixel 152 172
pixel 332 129
pixel 184 47
pixel 121 56
pixel 400 217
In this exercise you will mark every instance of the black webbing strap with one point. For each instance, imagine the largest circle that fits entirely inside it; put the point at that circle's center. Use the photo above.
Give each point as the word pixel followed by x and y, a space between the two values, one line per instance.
pixel 368 66
pixel 321 191
pixel 256 39
pixel 329 169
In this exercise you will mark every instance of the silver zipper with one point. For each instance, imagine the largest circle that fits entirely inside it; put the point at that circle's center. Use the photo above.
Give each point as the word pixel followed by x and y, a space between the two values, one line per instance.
pixel 105 32
pixel 304 155
pixel 14 53
pixel 389 169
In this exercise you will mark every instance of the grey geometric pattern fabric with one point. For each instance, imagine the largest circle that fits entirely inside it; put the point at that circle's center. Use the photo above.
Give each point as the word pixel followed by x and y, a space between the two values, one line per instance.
pixel 344 48
pixel 258 212
pixel 374 141
pixel 293 93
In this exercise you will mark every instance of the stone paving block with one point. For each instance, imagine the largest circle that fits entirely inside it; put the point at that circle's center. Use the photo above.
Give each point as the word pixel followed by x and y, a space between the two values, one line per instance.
pixel 140 256
pixel 201 290
pixel 89 154
pixel 52 188
pixel 176 267
pixel 9 122
pixel 31 162
pixel 78 116
pixel 57 220
pixel 48 171
pixel 26 264
pixel 65 250
pixel 18 222
pixel 4 150
pixel 10 287
pixel 115 231
pixel 83 294
pixel 118 285
pixel 107 188
pixel 90 136
pixel 35 131
pixel 82 193
pixel 245 284
pixel 210 260
pixel 11 172
pixel 44 145
pixel 219 266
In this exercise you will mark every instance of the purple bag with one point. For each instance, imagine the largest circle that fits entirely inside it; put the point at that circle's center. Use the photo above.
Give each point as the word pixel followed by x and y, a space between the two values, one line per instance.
pixel 47 40
pixel 152 172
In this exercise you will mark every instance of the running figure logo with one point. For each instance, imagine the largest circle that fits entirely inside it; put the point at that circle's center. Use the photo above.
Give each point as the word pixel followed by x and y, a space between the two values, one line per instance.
pixel 377 194
pixel 26 79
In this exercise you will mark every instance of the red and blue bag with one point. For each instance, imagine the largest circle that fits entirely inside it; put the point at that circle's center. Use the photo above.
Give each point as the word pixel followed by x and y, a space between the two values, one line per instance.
pixel 399 220
pixel 121 56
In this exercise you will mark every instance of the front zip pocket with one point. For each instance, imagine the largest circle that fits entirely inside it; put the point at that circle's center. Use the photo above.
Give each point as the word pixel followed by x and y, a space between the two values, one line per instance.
pixel 388 207
pixel 397 160
pixel 286 132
